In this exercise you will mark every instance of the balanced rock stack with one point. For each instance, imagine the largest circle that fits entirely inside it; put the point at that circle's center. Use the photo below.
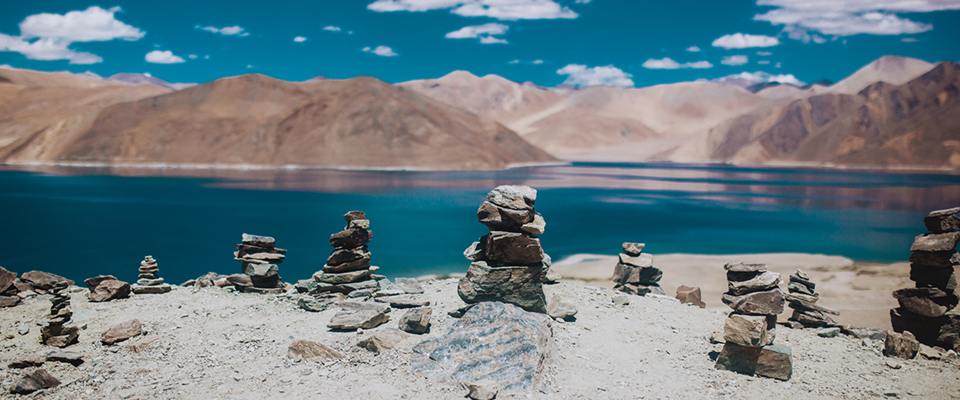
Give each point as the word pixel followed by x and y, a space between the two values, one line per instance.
pixel 260 257
pixel 507 263
pixel 149 280
pixel 348 267
pixel 802 298
pixel 929 311
pixel 635 272
pixel 755 297
pixel 56 332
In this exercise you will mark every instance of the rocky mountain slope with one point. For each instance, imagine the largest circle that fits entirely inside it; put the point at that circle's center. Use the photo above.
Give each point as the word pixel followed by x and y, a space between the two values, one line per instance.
pixel 259 121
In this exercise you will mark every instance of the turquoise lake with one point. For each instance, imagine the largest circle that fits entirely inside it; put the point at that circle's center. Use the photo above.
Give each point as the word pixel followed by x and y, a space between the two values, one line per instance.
pixel 81 222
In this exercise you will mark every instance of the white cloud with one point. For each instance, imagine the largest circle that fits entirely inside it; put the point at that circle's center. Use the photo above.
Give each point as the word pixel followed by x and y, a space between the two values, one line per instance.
pixel 514 62
pixel 225 31
pixel 764 53
pixel 163 57
pixel 581 76
pixel 299 39
pixel 492 40
pixel 763 62
pixel 331 28
pixel 538 62
pixel 909 40
pixel 693 49
pixel 852 17
pixel 192 56
pixel 206 57
pixel 485 32
pixel 734 60
pixel 668 63
pixel 382 51
pixel 52 34
pixel 743 41
pixel 763 77
pixel 250 66
pixel 777 66
pixel 508 10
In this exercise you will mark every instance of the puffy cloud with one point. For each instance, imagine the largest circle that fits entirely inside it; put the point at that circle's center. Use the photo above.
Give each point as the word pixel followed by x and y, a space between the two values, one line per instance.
pixel 581 76
pixel 331 28
pixel 163 57
pixel 48 36
pixel 743 41
pixel 734 60
pixel 668 63
pixel 538 62
pixel 514 62
pixel 763 77
pixel 299 39
pixel 508 10
pixel 764 53
pixel 193 56
pixel 382 51
pixel 225 31
pixel 852 17
pixel 693 49
pixel 485 32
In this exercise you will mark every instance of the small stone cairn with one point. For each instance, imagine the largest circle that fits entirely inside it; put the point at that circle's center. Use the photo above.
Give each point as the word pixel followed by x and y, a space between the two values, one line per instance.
pixel 755 297
pixel 348 267
pixel 260 257
pixel 635 273
pixel 507 263
pixel 802 298
pixel 56 332
pixel 149 281
pixel 929 311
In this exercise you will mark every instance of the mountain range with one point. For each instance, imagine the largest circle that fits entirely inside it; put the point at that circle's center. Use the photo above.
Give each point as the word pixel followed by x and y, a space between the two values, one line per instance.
pixel 895 112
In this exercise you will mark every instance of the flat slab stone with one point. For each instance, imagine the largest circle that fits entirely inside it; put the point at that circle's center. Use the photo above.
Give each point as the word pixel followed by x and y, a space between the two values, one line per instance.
pixel 492 340
pixel 749 330
pixel 257 240
pixel 939 221
pixel 402 301
pixel 344 277
pixel 352 305
pixel 122 331
pixel 797 302
pixel 762 281
pixel 340 256
pixel 932 242
pixel 416 320
pixel 110 289
pixel 642 260
pixel 510 248
pixel 498 218
pixel 515 285
pixel 383 340
pixel 744 267
pixel 767 302
pixel 944 259
pixel 633 249
pixel 44 280
pixel 517 197
pixel 349 266
pixel 312 351
pixel 408 285
pixel 928 301
pixel 6 279
pixel 93 282
pixel 351 320
pixel 138 289
pixel 351 238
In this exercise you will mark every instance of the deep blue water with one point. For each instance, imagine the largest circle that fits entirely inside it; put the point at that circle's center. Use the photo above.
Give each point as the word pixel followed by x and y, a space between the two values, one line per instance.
pixel 80 222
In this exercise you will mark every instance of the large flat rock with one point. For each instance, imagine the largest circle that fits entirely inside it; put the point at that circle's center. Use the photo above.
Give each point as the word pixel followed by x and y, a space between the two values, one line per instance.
pixel 516 285
pixel 494 341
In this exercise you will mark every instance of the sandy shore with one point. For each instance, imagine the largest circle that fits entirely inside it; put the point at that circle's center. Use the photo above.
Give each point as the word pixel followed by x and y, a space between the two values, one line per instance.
pixel 861 292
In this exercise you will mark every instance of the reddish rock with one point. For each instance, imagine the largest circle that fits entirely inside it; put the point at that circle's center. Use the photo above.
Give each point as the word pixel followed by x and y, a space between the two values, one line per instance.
pixel 943 220
pixel 109 290
pixel 690 295
pixel 902 345
pixel 6 279
pixel 122 331
pixel 44 280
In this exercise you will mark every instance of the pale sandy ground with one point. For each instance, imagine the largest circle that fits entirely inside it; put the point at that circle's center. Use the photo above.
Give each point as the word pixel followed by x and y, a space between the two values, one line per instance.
pixel 861 292
pixel 215 344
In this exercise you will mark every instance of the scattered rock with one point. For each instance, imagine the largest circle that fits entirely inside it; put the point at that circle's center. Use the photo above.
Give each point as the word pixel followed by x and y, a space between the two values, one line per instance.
pixel 621 300
pixel 930 353
pixel 68 357
pixel 44 280
pixel 562 307
pixel 36 380
pixel 351 320
pixel 109 289
pixel 144 342
pixel 408 285
pixel 416 320
pixel 483 389
pixel 773 361
pixel 34 360
pixel 383 340
pixel 402 301
pixel 321 302
pixel 828 332
pixel 312 351
pixel 690 295
pixel 749 330
pixel 122 331
pixel 902 345
pixel 551 276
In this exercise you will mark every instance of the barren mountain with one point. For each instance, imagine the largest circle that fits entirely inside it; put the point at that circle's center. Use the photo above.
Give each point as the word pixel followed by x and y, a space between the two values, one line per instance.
pixel 261 121
pixel 914 124
pixel 138 79
pixel 893 70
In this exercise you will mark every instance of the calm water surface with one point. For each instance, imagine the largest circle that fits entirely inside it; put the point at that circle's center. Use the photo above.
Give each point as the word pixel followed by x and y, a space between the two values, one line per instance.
pixel 80 222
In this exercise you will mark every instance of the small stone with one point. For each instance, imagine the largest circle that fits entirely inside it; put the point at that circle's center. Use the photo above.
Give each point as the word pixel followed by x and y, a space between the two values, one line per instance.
pixel 561 307
pixel 932 242
pixel 716 338
pixel 388 292
pixel 498 218
pixel 893 364
pixel 159 289
pixel 930 353
pixel 482 390
pixel 23 329
pixel 408 285
pixel 350 320
pixel 744 267
pixel 762 281
pixel 44 280
pixel 351 238
pixel 349 266
pixel 9 301
pixel 35 360
pixel 749 330
pixel 312 351
pixel 319 303
pixel 632 249
pixel 6 279
pixel 928 302
pixel 535 227
pixel 43 377
pixel 358 224
pixel 828 332
pixel 902 345
pixel 513 197
pixel 362 293
pixel 110 289
pixel 92 283
pixel 768 302
pixel 690 295
pixel 352 215
pixel 621 299
pixel 121 332
pixel 416 320
pixel 474 252
pixel 383 340
pixel 776 361
pixel 402 301
pixel 344 277
pixel 551 276
pixel 642 260
pixel 939 221
pixel 797 288
pixel 67 357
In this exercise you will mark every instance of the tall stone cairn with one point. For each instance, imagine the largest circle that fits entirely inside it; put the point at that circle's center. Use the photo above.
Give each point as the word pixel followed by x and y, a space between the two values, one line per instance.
pixel 635 273
pixel 149 280
pixel 56 332
pixel 507 263
pixel 929 311
pixel 260 257
pixel 755 297
pixel 802 299
pixel 348 267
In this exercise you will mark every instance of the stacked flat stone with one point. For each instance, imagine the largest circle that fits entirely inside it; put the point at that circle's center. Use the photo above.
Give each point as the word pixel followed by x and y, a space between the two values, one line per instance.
pixel 348 267
pixel 260 257
pixel 929 311
pixel 635 272
pixel 802 298
pixel 507 263
pixel 755 297
pixel 56 332
pixel 149 280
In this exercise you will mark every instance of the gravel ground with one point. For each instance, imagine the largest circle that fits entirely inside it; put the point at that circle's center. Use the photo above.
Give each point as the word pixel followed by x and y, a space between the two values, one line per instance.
pixel 216 344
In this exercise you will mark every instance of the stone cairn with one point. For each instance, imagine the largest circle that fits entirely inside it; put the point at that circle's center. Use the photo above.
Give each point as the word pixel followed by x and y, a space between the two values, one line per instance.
pixel 929 311
pixel 149 281
pixel 348 267
pixel 755 297
pixel 260 257
pixel 507 263
pixel 635 273
pixel 56 332
pixel 802 298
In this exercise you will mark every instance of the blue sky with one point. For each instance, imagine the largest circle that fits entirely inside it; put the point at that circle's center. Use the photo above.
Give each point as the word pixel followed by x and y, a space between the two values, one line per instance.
pixel 548 42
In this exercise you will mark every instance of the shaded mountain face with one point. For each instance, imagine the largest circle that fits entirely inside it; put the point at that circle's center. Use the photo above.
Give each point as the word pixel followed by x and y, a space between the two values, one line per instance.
pixel 894 70
pixel 136 79
pixel 914 124
pixel 260 121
